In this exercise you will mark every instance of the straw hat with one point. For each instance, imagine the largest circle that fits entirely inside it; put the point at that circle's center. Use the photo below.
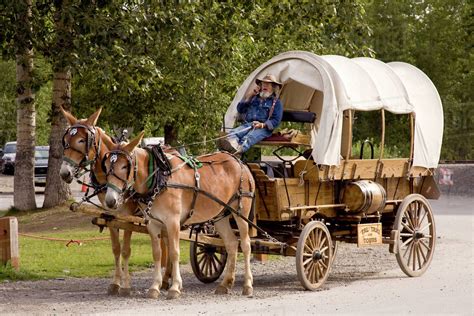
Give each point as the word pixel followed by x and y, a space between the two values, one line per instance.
pixel 269 78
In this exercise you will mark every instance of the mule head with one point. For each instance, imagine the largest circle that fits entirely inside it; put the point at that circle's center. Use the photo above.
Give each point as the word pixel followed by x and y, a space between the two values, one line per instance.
pixel 79 144
pixel 120 167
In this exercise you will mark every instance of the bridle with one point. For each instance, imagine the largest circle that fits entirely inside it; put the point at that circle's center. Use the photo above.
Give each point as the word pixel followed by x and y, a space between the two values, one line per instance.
pixel 132 167
pixel 90 142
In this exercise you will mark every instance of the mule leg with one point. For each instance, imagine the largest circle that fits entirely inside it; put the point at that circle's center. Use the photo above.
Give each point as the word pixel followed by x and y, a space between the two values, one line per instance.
pixel 115 239
pixel 154 290
pixel 231 243
pixel 167 276
pixel 246 250
pixel 173 255
pixel 126 252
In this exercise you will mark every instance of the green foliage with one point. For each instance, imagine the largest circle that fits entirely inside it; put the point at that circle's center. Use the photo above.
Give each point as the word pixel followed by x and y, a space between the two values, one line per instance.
pixel 179 65
pixel 436 36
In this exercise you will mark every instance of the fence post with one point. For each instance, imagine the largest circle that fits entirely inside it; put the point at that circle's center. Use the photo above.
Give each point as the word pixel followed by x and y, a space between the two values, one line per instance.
pixel 9 242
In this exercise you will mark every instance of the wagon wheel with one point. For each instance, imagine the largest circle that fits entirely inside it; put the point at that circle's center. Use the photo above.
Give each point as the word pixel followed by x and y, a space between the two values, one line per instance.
pixel 207 261
pixel 417 235
pixel 314 255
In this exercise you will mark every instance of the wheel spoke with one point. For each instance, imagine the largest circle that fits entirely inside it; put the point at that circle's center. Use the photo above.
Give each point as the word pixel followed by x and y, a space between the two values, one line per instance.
pixel 428 249
pixel 413 256
pixel 410 219
pixel 424 215
pixel 199 261
pixel 309 242
pixel 206 266
pixel 308 248
pixel 425 227
pixel 406 242
pixel 324 249
pixel 307 261
pixel 321 262
pixel 321 271
pixel 408 250
pixel 406 234
pixel 218 259
pixel 320 236
pixel 200 251
pixel 408 228
pixel 214 264
pixel 418 250
pixel 323 242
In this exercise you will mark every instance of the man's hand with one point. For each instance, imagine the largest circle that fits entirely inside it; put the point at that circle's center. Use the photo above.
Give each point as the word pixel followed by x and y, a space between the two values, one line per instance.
pixel 252 93
pixel 257 124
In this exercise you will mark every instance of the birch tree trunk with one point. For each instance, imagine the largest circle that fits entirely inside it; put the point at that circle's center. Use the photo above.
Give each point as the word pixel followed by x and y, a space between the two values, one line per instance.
pixel 24 188
pixel 57 191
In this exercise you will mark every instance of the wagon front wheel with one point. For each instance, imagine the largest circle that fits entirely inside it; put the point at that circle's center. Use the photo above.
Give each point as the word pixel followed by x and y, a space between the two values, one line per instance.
pixel 416 236
pixel 314 254
pixel 207 261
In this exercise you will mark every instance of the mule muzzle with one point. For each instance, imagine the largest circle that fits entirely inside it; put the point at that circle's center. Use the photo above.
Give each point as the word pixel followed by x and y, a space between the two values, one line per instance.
pixel 66 173
pixel 111 199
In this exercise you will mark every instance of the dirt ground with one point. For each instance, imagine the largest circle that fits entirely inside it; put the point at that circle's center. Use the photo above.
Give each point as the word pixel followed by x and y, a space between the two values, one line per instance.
pixel 362 281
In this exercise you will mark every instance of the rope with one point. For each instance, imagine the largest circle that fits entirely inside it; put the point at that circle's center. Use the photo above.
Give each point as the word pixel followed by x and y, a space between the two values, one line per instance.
pixel 69 241
pixel 213 139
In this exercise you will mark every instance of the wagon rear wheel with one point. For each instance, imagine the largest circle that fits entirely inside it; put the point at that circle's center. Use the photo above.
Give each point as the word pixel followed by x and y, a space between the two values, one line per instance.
pixel 314 254
pixel 207 261
pixel 417 235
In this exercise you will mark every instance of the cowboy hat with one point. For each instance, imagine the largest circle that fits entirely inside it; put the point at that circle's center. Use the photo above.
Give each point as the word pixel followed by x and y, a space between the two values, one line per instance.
pixel 268 78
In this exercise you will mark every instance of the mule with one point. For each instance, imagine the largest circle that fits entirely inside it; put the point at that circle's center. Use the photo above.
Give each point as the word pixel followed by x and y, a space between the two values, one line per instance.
pixel 188 196
pixel 85 145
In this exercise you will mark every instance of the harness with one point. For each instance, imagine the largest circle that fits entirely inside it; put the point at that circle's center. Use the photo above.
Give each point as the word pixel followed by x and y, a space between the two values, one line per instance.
pixel 160 179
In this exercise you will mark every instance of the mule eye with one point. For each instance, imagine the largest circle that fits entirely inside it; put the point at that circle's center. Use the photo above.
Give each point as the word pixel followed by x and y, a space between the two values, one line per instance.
pixel 82 141
pixel 124 167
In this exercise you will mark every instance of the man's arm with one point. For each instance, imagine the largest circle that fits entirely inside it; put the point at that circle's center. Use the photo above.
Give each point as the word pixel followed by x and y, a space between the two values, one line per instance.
pixel 275 119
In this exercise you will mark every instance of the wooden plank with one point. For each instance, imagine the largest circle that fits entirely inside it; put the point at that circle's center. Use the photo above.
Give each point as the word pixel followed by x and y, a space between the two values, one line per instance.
pixel 393 168
pixel 9 242
pixel 92 210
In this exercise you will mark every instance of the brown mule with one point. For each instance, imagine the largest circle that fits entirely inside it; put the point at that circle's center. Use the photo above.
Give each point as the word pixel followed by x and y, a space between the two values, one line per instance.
pixel 85 145
pixel 222 178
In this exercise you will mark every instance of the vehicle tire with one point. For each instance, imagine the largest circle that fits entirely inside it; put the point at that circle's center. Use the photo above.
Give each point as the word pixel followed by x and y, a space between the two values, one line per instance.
pixel 314 255
pixel 207 261
pixel 417 235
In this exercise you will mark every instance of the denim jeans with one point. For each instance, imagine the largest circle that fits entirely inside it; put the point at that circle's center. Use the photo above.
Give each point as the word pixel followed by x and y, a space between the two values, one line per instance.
pixel 247 136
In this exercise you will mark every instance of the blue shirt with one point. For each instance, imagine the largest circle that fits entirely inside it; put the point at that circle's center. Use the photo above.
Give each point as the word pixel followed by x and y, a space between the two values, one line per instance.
pixel 258 109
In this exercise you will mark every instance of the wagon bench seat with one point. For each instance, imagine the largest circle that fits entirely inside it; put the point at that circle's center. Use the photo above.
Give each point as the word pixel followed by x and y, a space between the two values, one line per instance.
pixel 300 139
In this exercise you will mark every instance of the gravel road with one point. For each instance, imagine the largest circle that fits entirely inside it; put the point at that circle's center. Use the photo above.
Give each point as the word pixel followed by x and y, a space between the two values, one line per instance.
pixel 362 281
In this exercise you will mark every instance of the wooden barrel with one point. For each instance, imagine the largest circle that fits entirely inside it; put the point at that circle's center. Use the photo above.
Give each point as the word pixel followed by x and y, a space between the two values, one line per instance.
pixel 364 196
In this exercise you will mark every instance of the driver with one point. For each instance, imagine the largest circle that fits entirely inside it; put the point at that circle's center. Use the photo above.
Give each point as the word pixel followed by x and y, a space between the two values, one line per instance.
pixel 261 110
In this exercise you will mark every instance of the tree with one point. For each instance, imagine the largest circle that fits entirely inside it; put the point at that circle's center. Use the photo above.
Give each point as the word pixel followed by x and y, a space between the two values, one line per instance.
pixel 18 41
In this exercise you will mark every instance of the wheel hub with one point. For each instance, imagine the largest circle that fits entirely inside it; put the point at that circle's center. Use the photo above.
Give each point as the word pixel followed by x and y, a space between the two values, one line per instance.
pixel 317 255
pixel 418 235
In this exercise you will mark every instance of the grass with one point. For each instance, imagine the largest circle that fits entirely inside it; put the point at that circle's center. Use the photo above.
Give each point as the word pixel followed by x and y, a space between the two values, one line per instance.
pixel 45 259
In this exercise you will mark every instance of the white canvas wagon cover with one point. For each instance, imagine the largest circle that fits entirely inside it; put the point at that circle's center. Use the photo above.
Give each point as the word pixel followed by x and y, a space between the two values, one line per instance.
pixel 328 85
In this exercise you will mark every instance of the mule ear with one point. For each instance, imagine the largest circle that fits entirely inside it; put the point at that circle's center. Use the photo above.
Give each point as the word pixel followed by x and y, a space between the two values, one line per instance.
pixel 92 120
pixel 107 140
pixel 134 142
pixel 69 117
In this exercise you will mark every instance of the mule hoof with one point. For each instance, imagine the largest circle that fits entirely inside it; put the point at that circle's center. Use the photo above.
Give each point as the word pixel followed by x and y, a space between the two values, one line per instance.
pixel 125 291
pixel 247 291
pixel 221 290
pixel 172 294
pixel 113 289
pixel 153 293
